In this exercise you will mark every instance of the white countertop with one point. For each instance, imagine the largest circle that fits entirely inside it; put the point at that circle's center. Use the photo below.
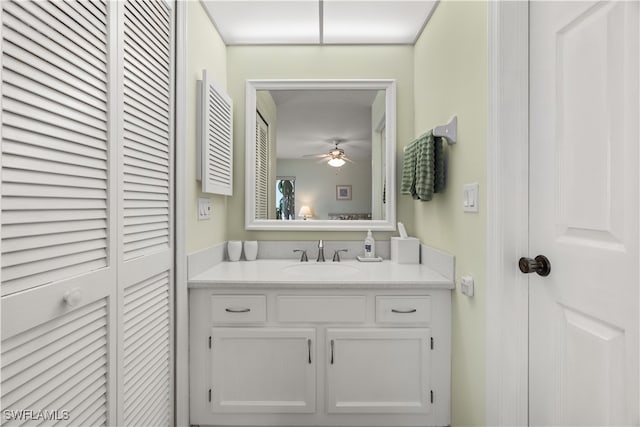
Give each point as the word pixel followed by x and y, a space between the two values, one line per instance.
pixel 352 274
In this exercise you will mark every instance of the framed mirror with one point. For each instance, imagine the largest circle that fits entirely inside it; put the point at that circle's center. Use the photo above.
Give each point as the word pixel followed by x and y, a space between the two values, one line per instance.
pixel 320 155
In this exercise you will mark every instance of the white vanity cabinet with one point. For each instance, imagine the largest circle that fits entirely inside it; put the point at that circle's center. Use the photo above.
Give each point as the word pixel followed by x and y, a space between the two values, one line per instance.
pixel 385 371
pixel 262 370
pixel 320 356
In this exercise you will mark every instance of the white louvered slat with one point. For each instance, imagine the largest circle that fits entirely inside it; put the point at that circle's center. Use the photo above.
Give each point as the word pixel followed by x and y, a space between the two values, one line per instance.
pixel 53 78
pixel 146 350
pixel 89 60
pixel 97 9
pixel 215 138
pixel 55 142
pixel 137 85
pixel 21 136
pixel 47 159
pixel 60 365
pixel 157 15
pixel 14 89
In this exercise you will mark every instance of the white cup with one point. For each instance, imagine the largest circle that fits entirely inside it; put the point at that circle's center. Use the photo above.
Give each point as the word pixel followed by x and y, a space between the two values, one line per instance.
pixel 234 249
pixel 250 250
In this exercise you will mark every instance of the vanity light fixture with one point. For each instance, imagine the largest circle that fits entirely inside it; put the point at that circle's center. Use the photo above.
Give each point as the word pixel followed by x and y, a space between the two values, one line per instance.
pixel 336 162
pixel 305 212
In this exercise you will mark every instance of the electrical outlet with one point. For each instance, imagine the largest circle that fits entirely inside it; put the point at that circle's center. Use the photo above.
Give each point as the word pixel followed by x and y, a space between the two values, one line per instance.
pixel 466 285
pixel 204 209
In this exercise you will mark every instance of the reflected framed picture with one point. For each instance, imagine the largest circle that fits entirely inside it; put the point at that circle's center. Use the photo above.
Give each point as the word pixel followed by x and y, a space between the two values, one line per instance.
pixel 343 192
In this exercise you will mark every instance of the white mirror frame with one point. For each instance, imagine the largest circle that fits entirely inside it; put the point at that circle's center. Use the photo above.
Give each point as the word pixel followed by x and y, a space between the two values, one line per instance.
pixel 388 224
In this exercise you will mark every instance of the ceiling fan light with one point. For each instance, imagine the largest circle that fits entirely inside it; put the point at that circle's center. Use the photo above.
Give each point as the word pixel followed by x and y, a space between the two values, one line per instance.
pixel 336 162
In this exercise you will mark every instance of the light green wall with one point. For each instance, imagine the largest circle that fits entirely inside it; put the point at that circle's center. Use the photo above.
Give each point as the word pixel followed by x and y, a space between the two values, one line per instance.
pixel 206 51
pixel 444 74
pixel 314 62
pixel 451 78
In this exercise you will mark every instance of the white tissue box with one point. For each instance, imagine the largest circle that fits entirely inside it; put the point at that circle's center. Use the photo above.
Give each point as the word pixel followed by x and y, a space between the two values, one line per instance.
pixel 405 250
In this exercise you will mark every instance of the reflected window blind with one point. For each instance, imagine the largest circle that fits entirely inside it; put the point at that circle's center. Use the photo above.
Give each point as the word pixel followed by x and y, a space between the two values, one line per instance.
pixel 54 141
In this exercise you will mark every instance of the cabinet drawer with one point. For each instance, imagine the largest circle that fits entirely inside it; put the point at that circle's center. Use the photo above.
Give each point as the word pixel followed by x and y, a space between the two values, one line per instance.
pixel 350 309
pixel 404 309
pixel 238 308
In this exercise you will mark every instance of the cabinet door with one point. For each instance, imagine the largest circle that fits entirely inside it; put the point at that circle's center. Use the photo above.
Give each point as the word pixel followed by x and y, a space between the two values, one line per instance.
pixel 263 370
pixel 378 370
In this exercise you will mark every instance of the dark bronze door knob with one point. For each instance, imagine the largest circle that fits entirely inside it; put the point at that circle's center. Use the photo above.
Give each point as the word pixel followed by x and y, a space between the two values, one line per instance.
pixel 540 265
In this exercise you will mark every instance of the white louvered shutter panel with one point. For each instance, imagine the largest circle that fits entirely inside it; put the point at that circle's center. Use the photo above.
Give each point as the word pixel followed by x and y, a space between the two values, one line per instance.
pixel 262 167
pixel 54 142
pixel 145 269
pixel 147 361
pixel 58 225
pixel 215 138
pixel 67 363
pixel 147 117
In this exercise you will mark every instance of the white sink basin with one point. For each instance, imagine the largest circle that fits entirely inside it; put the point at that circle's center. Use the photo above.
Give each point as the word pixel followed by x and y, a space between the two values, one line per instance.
pixel 320 270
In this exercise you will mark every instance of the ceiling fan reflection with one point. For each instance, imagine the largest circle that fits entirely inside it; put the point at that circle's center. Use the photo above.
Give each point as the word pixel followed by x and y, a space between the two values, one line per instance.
pixel 336 157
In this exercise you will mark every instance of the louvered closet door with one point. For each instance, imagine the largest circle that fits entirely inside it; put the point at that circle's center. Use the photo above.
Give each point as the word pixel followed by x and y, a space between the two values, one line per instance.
pixel 58 215
pixel 262 168
pixel 145 269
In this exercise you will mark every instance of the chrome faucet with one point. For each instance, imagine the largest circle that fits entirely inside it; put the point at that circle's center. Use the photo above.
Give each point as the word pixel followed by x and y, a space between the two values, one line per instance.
pixel 320 251
pixel 303 257
pixel 336 254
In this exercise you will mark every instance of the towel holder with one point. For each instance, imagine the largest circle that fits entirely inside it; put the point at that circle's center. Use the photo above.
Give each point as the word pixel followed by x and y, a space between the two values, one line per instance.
pixel 448 131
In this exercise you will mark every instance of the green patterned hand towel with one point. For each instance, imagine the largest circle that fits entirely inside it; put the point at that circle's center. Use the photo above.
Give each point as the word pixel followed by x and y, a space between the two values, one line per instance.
pixel 439 169
pixel 423 168
pixel 407 186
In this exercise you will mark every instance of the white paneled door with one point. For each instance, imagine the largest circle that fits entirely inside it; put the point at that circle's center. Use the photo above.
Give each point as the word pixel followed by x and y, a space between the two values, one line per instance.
pixel 584 196
pixel 87 155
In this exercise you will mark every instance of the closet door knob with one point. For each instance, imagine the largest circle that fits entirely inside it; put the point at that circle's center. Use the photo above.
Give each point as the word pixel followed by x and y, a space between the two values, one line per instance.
pixel 72 297
pixel 540 265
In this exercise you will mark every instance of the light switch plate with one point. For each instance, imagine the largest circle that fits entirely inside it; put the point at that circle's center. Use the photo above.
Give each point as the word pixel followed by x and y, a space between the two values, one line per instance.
pixel 470 197
pixel 204 208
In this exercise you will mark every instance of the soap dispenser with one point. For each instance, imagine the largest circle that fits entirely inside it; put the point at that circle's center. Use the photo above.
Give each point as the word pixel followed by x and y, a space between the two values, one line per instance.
pixel 369 246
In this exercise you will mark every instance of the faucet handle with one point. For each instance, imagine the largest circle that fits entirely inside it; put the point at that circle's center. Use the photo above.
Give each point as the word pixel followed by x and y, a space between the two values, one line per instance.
pixel 303 257
pixel 336 254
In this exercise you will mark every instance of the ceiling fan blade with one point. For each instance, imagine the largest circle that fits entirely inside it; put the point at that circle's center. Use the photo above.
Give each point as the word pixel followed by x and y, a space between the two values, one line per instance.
pixel 347 159
pixel 316 155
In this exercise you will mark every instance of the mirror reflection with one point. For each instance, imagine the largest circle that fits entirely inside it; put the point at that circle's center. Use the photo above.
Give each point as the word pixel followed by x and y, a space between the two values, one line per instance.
pixel 320 155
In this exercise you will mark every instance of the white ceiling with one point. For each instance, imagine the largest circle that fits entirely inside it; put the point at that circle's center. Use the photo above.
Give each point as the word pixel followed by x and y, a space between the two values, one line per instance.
pixel 319 21
pixel 309 121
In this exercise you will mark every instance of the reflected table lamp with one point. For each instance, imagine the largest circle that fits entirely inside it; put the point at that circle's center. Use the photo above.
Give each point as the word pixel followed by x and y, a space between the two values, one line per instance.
pixel 305 212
